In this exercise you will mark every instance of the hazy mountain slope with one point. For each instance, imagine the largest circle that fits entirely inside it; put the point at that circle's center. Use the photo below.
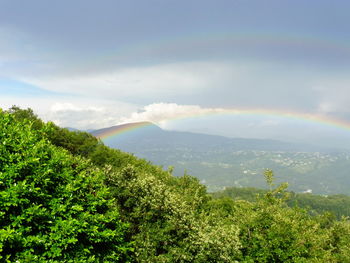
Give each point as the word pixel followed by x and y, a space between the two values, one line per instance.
pixel 154 137
pixel 220 162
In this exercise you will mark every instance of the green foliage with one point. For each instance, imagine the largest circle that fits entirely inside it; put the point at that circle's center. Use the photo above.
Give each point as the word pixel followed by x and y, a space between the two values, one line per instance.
pixel 270 231
pixel 58 206
pixel 54 207
pixel 339 240
pixel 168 223
pixel 83 144
pixel 26 115
pixel 337 205
pixel 269 177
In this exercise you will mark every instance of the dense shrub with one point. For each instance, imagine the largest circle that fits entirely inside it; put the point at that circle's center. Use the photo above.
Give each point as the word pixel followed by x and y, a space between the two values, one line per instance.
pixel 168 223
pixel 54 207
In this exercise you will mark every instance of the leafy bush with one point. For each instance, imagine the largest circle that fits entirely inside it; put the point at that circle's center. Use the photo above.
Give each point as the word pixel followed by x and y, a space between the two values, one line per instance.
pixel 270 231
pixel 54 207
pixel 167 220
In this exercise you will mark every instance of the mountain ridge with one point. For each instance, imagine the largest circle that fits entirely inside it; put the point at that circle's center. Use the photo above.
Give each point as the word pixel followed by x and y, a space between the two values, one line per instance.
pixel 185 136
pixel 220 162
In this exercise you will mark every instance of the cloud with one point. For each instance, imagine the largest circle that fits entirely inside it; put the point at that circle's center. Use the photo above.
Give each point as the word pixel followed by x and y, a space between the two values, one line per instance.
pixel 207 79
pixel 210 83
pixel 83 117
pixel 161 113
pixel 333 95
pixel 223 121
pixel 80 113
pixel 201 86
pixel 245 60
pixel 125 32
pixel 146 83
pixel 94 114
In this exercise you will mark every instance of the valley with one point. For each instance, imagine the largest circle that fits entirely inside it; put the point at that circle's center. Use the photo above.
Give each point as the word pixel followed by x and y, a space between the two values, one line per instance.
pixel 220 162
pixel 314 172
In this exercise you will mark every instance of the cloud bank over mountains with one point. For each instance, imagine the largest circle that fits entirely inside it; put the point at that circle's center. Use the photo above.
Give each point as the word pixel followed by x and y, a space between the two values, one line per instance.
pixel 90 65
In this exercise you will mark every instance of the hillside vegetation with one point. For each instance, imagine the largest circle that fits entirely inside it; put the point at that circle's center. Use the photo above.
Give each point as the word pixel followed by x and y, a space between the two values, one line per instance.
pixel 336 205
pixel 66 197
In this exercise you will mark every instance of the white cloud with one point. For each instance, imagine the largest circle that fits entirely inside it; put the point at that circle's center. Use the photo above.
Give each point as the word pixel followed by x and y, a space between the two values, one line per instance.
pixel 160 80
pixel 210 83
pixel 73 112
pixel 333 95
pixel 160 113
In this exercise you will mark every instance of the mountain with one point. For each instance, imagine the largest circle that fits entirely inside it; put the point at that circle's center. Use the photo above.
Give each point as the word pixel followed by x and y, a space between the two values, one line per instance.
pixel 131 137
pixel 221 162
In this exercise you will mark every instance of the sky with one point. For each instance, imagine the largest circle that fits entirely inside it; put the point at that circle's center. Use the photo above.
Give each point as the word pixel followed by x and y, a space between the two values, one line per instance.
pixel 202 66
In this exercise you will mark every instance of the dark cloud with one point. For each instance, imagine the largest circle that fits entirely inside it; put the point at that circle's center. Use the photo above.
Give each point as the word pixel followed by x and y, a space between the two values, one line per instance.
pixel 118 33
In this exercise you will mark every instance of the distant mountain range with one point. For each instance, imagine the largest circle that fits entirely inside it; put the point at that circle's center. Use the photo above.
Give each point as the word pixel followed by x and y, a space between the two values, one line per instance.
pixel 133 136
pixel 221 162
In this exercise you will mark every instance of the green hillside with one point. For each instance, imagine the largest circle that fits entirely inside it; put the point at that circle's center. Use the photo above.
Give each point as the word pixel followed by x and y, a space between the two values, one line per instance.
pixel 66 197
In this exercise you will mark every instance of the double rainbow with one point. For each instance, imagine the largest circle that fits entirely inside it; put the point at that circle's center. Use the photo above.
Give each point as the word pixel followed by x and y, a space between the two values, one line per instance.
pixel 174 43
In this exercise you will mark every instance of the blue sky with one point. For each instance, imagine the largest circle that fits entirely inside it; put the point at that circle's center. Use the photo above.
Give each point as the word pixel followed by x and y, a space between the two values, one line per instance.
pixel 91 64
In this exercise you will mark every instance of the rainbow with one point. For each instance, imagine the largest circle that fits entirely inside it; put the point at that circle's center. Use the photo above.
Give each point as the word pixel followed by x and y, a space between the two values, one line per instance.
pixel 174 43
pixel 294 116
pixel 120 129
